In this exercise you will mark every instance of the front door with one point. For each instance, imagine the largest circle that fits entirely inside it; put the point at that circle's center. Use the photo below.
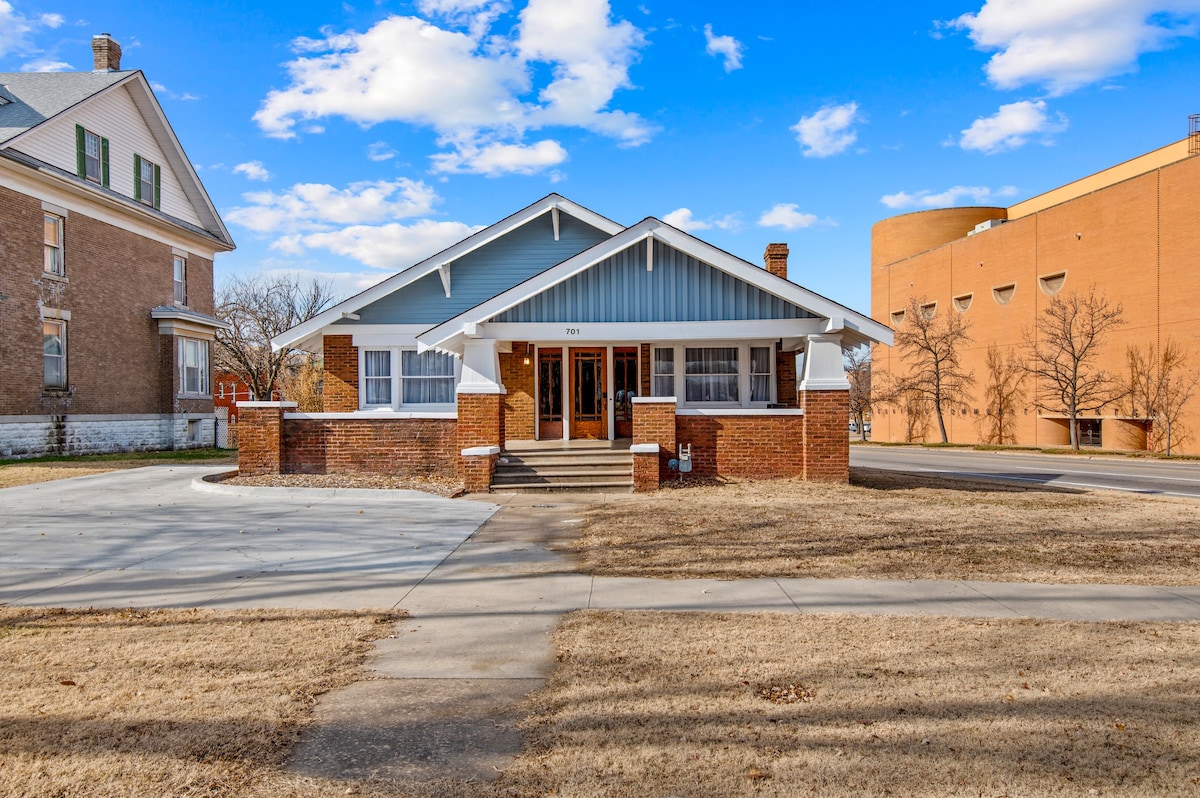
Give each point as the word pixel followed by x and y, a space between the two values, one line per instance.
pixel 588 394
pixel 625 384
pixel 550 394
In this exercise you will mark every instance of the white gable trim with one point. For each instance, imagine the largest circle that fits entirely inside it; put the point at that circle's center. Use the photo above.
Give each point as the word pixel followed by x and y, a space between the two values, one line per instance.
pixel 838 316
pixel 441 262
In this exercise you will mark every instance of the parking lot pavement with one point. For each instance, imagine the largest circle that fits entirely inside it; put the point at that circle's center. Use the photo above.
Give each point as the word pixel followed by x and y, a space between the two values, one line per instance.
pixel 149 537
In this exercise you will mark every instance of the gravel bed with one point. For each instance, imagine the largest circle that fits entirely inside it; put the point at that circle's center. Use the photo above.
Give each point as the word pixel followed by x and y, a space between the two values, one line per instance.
pixel 439 486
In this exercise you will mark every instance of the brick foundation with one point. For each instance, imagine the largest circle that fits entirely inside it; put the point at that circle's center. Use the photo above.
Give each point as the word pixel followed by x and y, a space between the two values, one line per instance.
pixel 826 443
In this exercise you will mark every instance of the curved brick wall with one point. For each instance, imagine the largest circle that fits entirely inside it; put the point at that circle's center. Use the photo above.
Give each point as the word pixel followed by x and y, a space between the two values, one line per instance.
pixel 903 236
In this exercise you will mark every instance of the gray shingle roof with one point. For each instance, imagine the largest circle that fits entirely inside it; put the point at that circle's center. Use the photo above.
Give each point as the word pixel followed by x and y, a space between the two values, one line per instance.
pixel 39 96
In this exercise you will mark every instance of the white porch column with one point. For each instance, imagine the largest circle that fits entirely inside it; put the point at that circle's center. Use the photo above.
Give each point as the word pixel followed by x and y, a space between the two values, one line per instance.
pixel 481 367
pixel 823 367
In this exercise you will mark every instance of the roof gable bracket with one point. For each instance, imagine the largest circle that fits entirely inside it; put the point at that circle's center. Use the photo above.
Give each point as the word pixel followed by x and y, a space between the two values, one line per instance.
pixel 554 220
pixel 649 252
pixel 444 273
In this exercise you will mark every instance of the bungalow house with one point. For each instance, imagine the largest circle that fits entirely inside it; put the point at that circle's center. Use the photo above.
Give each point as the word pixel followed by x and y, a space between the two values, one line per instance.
pixel 556 326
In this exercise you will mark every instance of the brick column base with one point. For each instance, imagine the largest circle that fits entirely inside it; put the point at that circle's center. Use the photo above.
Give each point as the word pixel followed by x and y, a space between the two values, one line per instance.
pixel 260 437
pixel 645 467
pixel 478 466
pixel 826 443
pixel 654 422
pixel 480 430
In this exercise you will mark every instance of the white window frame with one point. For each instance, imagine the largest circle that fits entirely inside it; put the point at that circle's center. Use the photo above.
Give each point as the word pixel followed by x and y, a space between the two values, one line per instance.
pixel 58 267
pixel 88 159
pixel 204 376
pixel 62 334
pixel 179 279
pixel 397 382
pixel 744 374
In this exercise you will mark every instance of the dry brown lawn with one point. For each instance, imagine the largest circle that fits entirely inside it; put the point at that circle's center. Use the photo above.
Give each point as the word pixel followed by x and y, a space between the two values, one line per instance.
pixel 16 472
pixel 646 704
pixel 164 703
pixel 895 526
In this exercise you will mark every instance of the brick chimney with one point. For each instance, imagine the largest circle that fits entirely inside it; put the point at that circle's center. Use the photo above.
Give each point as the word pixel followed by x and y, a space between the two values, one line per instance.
pixel 106 53
pixel 775 259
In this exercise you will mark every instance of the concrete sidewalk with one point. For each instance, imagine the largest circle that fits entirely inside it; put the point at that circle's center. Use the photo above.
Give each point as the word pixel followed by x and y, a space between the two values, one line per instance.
pixel 478 637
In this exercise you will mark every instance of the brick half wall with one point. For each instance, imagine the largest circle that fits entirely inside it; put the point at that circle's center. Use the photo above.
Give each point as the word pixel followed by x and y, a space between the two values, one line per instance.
pixel 417 447
pixel 757 446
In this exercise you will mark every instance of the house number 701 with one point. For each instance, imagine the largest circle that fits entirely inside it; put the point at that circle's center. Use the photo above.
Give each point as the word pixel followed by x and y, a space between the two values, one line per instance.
pixel 572 331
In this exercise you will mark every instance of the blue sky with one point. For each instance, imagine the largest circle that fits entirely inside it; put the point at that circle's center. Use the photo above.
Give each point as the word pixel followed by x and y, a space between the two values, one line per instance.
pixel 349 140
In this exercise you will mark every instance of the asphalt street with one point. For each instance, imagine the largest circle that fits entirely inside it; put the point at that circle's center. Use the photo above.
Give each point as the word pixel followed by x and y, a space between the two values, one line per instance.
pixel 1141 475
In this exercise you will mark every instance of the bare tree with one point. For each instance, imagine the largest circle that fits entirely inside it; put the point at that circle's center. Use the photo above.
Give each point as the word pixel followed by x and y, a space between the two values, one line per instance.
pixel 302 381
pixel 930 345
pixel 260 308
pixel 1065 343
pixel 1160 385
pixel 1002 394
pixel 858 372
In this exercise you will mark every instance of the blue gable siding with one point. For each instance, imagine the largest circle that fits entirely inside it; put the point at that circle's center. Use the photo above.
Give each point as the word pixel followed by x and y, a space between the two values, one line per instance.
pixel 680 288
pixel 480 275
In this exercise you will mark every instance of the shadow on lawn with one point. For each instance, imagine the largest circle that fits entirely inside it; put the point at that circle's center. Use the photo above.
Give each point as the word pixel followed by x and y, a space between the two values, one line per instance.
pixel 883 479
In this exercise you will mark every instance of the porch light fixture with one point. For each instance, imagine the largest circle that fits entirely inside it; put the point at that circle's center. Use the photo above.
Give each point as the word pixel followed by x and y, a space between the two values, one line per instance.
pixel 527 354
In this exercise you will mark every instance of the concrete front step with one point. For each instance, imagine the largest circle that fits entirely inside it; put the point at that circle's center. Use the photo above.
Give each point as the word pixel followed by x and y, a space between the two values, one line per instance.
pixel 549 459
pixel 530 477
pixel 564 469
pixel 597 486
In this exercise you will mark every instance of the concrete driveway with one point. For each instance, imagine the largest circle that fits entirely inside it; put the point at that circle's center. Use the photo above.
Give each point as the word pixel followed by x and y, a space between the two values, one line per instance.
pixel 151 537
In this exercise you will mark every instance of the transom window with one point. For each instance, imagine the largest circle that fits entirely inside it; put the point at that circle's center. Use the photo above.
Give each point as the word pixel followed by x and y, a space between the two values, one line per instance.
pixel 54 354
pixel 193 367
pixel 404 378
pixel 53 252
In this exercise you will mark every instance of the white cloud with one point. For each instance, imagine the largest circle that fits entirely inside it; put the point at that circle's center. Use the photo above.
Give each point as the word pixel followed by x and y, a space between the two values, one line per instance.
pixel 727 47
pixel 683 219
pixel 497 159
pixel 1011 126
pixel 475 87
pixel 253 170
pixel 319 207
pixel 956 195
pixel 46 65
pixel 380 151
pixel 389 246
pixel 1065 44
pixel 15 37
pixel 829 131
pixel 785 215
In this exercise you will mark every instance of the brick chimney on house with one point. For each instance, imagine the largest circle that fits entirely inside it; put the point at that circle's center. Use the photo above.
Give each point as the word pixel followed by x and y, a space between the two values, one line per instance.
pixel 775 259
pixel 106 53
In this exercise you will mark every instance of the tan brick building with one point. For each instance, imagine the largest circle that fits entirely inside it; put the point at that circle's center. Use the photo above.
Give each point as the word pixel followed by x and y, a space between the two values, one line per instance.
pixel 1132 231
pixel 107 240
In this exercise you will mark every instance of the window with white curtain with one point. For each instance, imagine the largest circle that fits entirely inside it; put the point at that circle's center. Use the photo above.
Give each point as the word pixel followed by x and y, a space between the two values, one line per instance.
pixel 399 378
pixel 760 374
pixel 711 374
pixel 663 380
pixel 377 377
pixel 426 378
pixel 193 367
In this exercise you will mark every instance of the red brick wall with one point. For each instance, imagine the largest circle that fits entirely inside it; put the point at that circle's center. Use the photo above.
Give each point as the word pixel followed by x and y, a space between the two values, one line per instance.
pixel 646 365
pixel 520 411
pixel 115 356
pixel 340 393
pixel 402 447
pixel 480 423
pixel 260 441
pixel 826 443
pixel 744 446
pixel 654 422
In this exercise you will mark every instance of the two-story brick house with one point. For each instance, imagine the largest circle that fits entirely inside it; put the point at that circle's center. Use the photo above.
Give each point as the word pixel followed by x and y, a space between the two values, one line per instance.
pixel 107 240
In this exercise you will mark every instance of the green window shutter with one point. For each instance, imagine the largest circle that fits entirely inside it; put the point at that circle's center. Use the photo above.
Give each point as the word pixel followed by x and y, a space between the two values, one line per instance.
pixel 137 177
pixel 157 185
pixel 104 162
pixel 80 157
